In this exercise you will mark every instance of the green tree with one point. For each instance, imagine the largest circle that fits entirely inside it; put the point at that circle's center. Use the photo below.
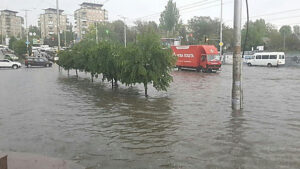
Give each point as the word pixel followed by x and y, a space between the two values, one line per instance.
pixel 66 60
pixel 147 63
pixel 20 47
pixel 296 29
pixel 257 32
pixel 203 26
pixel 12 40
pixel 169 18
pixel 285 30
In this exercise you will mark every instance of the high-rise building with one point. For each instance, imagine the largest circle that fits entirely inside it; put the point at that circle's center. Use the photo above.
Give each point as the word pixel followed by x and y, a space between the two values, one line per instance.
pixel 10 24
pixel 48 22
pixel 87 15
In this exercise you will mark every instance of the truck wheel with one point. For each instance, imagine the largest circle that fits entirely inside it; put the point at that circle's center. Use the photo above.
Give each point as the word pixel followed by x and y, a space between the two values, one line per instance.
pixel 198 69
pixel 209 70
pixel 179 68
pixel 269 65
pixel 249 64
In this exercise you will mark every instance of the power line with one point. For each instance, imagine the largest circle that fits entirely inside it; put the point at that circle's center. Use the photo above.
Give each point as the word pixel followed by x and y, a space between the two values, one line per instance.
pixel 182 8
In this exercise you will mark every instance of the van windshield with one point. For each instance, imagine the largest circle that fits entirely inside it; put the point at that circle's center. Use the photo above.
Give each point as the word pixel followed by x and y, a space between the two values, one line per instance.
pixel 213 57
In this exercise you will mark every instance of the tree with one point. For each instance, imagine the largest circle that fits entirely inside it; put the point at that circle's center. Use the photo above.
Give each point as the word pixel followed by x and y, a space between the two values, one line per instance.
pixel 169 18
pixel 20 47
pixel 257 32
pixel 296 29
pixel 285 30
pixel 146 62
pixel 12 40
pixel 201 27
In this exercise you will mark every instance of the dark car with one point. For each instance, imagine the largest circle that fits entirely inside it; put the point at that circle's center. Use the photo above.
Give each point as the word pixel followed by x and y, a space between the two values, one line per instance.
pixel 32 61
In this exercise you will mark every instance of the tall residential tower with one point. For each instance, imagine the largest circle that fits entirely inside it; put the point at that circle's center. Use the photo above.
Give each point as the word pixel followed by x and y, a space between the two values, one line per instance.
pixel 88 14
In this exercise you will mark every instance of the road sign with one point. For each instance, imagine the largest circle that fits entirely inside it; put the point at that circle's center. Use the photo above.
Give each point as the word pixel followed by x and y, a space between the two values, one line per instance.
pixel 221 43
pixel 27 42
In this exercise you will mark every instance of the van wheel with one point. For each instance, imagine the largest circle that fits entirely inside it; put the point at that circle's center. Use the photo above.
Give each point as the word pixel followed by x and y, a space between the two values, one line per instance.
pixel 249 64
pixel 269 65
pixel 179 68
pixel 47 65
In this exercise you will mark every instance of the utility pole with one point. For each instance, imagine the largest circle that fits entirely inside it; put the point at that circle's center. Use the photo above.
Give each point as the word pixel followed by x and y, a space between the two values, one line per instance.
pixel 97 39
pixel 237 67
pixel 65 38
pixel 125 31
pixel 221 30
pixel 58 23
pixel 1 31
pixel 284 40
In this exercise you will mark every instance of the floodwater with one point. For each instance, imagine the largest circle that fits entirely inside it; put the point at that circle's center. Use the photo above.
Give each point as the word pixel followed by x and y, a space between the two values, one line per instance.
pixel 43 111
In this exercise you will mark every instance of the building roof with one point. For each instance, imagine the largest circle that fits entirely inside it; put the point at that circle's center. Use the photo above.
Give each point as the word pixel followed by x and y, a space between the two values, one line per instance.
pixel 6 10
pixel 91 4
pixel 53 9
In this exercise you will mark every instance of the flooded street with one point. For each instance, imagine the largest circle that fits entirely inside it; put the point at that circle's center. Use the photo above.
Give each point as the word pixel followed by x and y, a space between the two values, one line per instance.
pixel 43 111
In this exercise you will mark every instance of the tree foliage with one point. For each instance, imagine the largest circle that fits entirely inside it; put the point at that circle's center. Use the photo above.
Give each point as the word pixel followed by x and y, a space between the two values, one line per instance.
pixel 169 18
pixel 143 62
pixel 20 47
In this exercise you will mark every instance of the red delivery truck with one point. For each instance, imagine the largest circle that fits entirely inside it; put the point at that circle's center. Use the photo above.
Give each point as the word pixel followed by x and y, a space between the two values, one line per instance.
pixel 199 57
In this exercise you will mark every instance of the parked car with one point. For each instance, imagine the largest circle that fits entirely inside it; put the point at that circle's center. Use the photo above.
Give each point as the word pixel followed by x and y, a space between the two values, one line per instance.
pixel 11 57
pixel 5 63
pixel 32 61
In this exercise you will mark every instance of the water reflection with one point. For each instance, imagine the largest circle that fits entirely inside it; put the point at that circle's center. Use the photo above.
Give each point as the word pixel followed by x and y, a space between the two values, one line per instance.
pixel 136 126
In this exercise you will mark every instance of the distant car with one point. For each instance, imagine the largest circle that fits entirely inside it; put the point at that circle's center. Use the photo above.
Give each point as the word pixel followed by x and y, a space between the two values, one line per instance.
pixel 5 63
pixel 11 57
pixel 32 61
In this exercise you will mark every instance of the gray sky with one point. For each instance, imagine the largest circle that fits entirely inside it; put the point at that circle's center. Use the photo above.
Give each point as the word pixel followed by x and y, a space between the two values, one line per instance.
pixel 280 12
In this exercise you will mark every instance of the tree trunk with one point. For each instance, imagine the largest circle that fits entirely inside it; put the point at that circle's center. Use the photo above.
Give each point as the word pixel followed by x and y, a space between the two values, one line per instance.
pixel 76 73
pixel 68 72
pixel 112 83
pixel 146 89
pixel 92 76
pixel 116 83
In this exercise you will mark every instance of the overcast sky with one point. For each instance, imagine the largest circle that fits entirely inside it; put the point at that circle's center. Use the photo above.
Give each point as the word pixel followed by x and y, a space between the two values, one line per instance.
pixel 278 12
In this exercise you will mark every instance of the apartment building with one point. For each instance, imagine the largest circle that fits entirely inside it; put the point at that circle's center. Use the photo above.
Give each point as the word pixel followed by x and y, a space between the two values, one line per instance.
pixel 87 15
pixel 48 22
pixel 10 24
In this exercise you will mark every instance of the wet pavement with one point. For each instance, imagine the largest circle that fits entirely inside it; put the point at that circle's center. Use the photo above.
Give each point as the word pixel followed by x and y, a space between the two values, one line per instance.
pixel 43 111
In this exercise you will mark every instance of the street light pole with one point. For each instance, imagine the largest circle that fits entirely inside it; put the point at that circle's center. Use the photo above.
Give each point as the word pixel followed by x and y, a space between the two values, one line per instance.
pixel 27 38
pixel 237 71
pixel 221 29
pixel 58 20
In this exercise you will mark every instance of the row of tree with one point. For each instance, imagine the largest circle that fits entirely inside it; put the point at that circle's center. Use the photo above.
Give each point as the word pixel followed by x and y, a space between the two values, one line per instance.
pixel 199 27
pixel 141 62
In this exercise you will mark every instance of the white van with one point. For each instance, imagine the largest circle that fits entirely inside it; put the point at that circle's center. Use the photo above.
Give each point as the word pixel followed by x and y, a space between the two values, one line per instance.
pixel 267 59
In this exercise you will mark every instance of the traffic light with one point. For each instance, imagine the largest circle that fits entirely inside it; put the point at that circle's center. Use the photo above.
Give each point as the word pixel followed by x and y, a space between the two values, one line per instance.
pixel 206 39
